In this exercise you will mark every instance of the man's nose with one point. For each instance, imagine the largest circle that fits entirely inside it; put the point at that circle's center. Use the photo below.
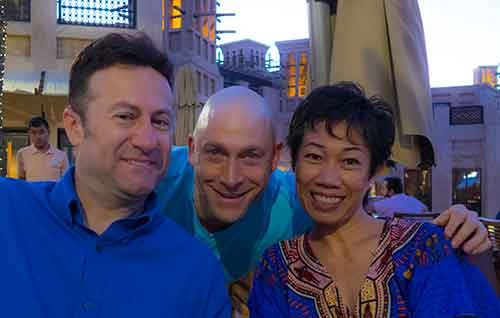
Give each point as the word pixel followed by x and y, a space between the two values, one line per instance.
pixel 145 136
pixel 232 177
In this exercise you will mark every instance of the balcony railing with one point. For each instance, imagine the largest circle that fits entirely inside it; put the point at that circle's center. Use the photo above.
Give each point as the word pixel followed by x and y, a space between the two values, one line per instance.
pixel 466 115
pixel 102 13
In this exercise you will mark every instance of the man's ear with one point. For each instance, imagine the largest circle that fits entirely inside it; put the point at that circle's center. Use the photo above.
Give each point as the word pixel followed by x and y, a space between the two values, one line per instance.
pixel 277 154
pixel 192 156
pixel 74 126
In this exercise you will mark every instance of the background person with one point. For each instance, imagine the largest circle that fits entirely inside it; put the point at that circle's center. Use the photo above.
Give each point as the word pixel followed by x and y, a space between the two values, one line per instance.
pixel 396 201
pixel 40 161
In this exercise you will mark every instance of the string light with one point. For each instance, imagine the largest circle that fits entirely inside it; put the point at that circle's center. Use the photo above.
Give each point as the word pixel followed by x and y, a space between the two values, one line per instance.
pixel 3 52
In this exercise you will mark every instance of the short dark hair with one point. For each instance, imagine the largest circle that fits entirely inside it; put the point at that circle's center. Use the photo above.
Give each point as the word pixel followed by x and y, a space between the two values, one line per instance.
pixel 371 117
pixel 395 184
pixel 38 122
pixel 113 49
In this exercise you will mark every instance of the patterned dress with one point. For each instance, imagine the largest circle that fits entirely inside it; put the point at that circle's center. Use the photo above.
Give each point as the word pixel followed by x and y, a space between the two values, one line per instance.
pixel 414 273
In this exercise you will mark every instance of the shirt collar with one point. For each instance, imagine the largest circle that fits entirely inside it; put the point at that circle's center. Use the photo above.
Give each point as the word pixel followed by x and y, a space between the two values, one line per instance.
pixel 178 159
pixel 64 198
pixel 49 151
pixel 67 205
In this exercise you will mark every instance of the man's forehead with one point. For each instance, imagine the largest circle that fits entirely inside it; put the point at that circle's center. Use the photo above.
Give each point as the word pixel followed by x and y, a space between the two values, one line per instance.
pixel 244 126
pixel 233 144
pixel 119 77
pixel 243 111
pixel 149 91
pixel 37 129
pixel 162 107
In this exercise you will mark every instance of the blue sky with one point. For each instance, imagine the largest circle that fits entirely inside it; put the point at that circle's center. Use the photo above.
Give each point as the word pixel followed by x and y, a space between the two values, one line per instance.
pixel 460 34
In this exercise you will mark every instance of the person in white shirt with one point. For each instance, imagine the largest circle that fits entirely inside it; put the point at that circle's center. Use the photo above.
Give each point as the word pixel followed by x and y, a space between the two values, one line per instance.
pixel 40 161
pixel 396 201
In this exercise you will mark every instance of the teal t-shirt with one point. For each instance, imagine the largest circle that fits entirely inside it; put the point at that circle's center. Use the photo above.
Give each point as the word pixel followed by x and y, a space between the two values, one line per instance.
pixel 274 216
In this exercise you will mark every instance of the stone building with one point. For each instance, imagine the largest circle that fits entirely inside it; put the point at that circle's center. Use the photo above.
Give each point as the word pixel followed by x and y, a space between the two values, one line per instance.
pixel 44 36
pixel 467 142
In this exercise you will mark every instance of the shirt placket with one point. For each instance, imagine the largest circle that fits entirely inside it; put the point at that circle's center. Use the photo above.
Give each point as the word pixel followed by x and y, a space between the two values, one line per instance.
pixel 95 276
pixel 93 280
pixel 98 265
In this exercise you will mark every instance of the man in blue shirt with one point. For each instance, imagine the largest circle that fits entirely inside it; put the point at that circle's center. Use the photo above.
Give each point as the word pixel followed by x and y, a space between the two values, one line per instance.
pixel 225 190
pixel 94 244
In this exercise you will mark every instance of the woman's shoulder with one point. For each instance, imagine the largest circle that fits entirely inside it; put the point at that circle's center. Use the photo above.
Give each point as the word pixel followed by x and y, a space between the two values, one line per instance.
pixel 280 255
pixel 402 231
pixel 286 250
pixel 421 242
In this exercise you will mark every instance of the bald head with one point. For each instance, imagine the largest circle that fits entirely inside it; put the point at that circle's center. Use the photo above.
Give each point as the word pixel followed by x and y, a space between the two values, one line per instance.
pixel 234 106
pixel 233 152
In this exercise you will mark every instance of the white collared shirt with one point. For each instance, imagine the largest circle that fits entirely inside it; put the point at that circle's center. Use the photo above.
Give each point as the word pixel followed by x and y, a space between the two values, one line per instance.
pixel 398 203
pixel 41 166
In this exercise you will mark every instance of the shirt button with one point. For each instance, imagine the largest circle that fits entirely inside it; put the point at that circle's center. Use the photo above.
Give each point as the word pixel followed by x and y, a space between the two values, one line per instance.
pixel 99 248
pixel 88 306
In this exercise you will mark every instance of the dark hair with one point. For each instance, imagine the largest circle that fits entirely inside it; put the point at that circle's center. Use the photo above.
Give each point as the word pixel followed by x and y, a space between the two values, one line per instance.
pixel 394 184
pixel 38 122
pixel 371 117
pixel 110 50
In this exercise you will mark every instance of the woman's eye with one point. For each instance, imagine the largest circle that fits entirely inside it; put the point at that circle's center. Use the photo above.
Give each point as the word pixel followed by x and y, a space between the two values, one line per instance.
pixel 351 162
pixel 313 156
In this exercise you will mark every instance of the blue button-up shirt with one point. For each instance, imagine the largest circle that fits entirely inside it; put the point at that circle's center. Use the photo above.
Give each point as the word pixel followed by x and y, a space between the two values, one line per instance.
pixel 142 266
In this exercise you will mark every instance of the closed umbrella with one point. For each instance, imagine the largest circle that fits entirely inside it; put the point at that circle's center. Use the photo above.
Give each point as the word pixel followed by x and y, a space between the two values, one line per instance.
pixel 186 102
pixel 379 44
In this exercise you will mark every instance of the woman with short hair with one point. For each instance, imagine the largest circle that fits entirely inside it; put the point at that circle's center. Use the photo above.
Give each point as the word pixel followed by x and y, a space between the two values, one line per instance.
pixel 351 264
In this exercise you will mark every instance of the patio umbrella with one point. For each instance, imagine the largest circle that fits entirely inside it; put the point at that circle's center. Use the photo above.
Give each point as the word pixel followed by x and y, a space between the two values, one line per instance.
pixel 186 102
pixel 380 45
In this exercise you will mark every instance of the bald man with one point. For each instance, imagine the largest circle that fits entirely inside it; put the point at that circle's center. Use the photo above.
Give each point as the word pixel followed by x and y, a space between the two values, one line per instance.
pixel 226 194
pixel 224 189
